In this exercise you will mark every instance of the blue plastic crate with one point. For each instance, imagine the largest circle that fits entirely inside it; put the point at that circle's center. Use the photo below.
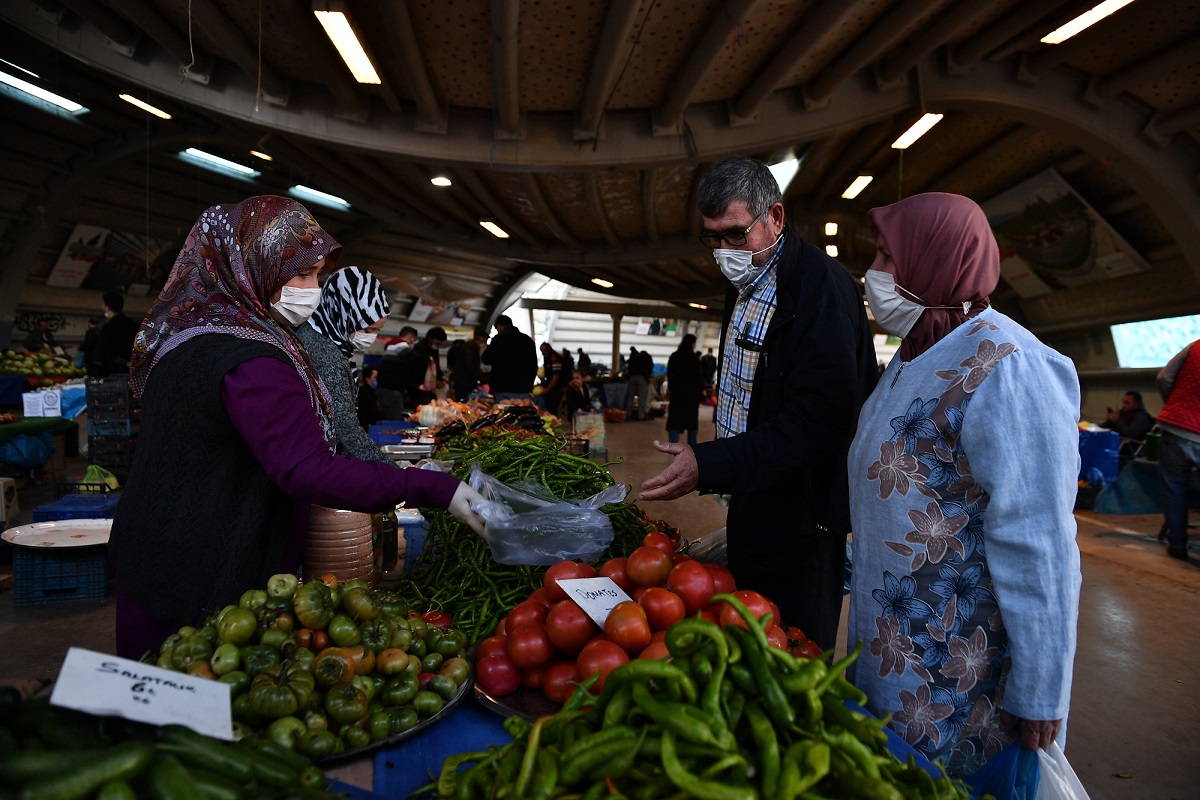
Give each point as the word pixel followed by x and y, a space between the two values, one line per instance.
pixel 110 427
pixel 59 576
pixel 78 506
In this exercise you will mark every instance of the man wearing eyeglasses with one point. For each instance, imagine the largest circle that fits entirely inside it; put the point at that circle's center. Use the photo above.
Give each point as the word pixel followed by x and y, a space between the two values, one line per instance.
pixel 796 363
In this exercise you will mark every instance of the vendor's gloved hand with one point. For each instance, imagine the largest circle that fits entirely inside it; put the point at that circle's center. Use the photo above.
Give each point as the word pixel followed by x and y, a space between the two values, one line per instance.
pixel 460 507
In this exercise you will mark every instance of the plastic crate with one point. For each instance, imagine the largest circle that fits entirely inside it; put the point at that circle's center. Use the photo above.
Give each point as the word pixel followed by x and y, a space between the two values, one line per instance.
pixel 78 487
pixel 78 506
pixel 110 427
pixel 110 445
pixel 110 411
pixel 59 576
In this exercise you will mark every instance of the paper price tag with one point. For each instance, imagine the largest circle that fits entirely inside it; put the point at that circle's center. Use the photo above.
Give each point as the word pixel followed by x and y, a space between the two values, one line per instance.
pixel 98 683
pixel 596 596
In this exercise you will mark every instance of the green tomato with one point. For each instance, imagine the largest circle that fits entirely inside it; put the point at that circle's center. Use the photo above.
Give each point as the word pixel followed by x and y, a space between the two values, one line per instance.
pixel 417 647
pixel 226 658
pixel 303 656
pixel 456 669
pixel 354 737
pixel 427 703
pixel 315 720
pixel 282 586
pixel 278 692
pixel 401 689
pixel 286 731
pixel 432 662
pixel 358 603
pixel 314 605
pixel 402 634
pixel 238 681
pixel 376 635
pixel 275 638
pixel 402 719
pixel 451 644
pixel 257 658
pixel 252 599
pixel 443 686
pixel 345 703
pixel 189 650
pixel 343 631
pixel 316 743
pixel 365 684
pixel 379 726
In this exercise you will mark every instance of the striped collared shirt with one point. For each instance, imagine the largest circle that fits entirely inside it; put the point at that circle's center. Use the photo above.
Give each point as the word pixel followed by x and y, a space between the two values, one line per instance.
pixel 743 342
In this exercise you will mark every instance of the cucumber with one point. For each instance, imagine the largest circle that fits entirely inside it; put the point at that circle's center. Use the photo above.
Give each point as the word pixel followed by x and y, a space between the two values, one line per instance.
pixel 116 790
pixel 170 780
pixel 214 786
pixel 24 766
pixel 196 750
pixel 123 762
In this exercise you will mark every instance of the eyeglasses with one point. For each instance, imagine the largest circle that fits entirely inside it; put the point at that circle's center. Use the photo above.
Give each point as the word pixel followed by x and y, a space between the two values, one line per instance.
pixel 733 238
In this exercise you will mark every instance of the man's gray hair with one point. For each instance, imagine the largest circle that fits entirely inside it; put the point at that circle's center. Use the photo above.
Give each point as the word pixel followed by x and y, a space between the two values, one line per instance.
pixel 738 178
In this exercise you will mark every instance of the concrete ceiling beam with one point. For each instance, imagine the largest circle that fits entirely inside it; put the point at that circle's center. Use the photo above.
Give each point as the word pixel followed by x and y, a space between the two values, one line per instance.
pixel 397 22
pixel 336 76
pixel 238 50
pixel 1178 56
pixel 196 64
pixel 596 206
pixel 649 202
pixel 945 28
pixel 506 72
pixel 498 210
pixel 1011 25
pixel 530 184
pixel 122 36
pixel 617 41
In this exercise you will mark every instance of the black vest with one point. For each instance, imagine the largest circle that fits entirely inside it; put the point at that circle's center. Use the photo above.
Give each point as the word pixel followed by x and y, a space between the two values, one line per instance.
pixel 199 521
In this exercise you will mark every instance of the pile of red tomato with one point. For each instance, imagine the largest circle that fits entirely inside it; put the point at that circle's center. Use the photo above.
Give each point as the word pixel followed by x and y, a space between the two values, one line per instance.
pixel 548 642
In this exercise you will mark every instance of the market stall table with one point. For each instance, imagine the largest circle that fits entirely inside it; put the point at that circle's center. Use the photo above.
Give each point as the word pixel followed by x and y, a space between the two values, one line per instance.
pixel 11 389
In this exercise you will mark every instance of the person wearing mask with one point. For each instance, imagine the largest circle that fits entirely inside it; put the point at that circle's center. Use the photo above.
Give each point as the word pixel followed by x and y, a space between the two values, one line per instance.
pixel 641 367
pixel 353 310
pixel 513 358
pixel 425 366
pixel 116 336
pixel 798 360
pixel 556 379
pixel 965 590
pixel 368 400
pixel 686 386
pixel 40 338
pixel 1179 451
pixel 242 427
pixel 467 373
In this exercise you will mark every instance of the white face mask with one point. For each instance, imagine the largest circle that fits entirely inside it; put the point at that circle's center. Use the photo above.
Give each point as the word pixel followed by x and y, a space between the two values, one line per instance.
pixel 895 314
pixel 738 265
pixel 363 340
pixel 297 305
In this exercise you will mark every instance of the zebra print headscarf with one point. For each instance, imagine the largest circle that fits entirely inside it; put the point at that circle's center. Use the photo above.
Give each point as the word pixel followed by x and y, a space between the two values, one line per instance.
pixel 351 300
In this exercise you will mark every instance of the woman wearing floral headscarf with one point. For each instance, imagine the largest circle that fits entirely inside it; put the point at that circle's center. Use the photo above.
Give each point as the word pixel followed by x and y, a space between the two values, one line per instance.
pixel 236 427
pixel 965 589
pixel 352 311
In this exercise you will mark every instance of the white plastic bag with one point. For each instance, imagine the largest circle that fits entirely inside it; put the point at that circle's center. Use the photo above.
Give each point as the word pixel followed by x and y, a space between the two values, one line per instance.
pixel 1056 779
pixel 525 524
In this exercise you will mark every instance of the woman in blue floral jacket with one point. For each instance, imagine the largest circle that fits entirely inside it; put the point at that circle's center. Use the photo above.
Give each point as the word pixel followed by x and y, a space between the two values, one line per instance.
pixel 962 479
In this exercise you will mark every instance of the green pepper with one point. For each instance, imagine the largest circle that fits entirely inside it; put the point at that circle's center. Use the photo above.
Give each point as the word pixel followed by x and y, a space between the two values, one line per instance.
pixel 314 605
pixel 345 703
pixel 767 745
pixel 280 692
pixel 694 786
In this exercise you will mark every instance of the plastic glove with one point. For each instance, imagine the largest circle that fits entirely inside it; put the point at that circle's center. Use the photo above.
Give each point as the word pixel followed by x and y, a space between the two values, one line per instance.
pixel 460 507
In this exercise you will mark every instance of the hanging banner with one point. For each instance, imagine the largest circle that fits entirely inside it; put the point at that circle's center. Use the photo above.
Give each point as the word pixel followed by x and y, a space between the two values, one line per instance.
pixel 84 248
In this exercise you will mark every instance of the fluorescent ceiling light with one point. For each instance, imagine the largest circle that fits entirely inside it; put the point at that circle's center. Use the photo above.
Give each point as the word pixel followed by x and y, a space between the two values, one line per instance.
pixel 18 66
pixel 700 306
pixel 133 101
pixel 855 188
pixel 831 250
pixel 337 27
pixel 784 172
pixel 218 164
pixel 602 282
pixel 316 196
pixel 918 129
pixel 1084 20
pixel 831 229
pixel 261 154
pixel 25 87
pixel 440 180
pixel 493 229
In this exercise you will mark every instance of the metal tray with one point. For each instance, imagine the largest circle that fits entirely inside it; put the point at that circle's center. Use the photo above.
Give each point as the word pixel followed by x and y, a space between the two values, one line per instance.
pixel 60 534
pixel 527 703
pixel 346 755
pixel 407 450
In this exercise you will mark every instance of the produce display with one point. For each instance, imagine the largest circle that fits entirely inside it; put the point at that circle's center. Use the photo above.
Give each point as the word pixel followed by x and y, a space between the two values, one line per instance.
pixel 727 717
pixel 51 753
pixel 548 643
pixel 325 668
pixel 455 572
pixel 33 365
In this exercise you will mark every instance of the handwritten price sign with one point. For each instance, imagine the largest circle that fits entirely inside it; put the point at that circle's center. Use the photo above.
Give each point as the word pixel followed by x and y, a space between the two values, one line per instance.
pixel 596 596
pixel 105 685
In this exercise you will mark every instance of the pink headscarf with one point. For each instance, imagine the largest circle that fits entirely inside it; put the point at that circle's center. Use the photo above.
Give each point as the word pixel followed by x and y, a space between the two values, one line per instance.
pixel 945 254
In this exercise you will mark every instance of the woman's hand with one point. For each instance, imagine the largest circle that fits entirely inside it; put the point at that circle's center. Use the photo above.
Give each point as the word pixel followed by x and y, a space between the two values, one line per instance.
pixel 460 507
pixel 1036 734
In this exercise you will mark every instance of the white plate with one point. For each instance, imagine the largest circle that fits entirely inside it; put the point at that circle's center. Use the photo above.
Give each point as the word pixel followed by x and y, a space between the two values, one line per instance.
pixel 61 533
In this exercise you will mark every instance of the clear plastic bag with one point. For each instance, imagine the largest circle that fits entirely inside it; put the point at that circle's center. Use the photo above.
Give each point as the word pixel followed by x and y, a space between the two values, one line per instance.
pixel 1057 781
pixel 525 524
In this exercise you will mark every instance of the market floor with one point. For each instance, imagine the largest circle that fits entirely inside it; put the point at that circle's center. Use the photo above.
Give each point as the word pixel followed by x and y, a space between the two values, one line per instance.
pixel 1133 730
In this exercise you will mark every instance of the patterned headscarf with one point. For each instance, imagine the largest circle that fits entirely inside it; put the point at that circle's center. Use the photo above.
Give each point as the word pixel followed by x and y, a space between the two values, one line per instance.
pixel 232 262
pixel 945 254
pixel 351 300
